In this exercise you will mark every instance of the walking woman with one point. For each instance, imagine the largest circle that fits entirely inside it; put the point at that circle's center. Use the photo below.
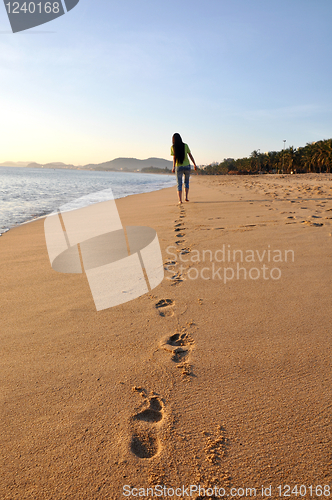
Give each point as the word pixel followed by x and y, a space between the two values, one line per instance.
pixel 180 152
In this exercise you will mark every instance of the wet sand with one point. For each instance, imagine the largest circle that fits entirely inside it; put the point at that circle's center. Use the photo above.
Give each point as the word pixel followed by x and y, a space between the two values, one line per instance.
pixel 220 376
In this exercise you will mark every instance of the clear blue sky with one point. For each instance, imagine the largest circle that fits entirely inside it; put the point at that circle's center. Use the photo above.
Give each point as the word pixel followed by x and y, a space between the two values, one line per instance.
pixel 112 79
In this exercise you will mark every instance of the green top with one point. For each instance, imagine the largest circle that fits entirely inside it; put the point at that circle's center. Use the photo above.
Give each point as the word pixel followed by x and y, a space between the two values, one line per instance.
pixel 186 162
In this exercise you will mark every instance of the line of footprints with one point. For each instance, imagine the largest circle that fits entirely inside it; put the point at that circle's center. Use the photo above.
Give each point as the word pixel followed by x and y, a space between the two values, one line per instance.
pixel 147 423
pixel 145 442
pixel 179 229
pixel 181 342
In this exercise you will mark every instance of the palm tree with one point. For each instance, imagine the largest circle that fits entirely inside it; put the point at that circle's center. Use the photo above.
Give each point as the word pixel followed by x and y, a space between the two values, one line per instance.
pixel 254 161
pixel 308 156
pixel 324 154
pixel 289 158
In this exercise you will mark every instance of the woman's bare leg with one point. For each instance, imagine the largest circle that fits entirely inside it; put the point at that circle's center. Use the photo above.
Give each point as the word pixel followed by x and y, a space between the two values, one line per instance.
pixel 180 196
pixel 187 194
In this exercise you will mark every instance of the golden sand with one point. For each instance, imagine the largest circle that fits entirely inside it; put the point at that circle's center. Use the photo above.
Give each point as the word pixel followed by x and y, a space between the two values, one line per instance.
pixel 211 379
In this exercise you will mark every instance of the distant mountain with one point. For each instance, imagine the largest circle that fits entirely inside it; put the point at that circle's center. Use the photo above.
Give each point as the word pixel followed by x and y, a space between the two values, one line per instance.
pixel 117 165
pixel 56 164
pixel 15 164
pixel 130 164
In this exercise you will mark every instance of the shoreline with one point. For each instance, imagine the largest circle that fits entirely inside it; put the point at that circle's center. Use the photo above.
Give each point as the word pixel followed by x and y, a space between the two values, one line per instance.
pixel 196 382
pixel 48 213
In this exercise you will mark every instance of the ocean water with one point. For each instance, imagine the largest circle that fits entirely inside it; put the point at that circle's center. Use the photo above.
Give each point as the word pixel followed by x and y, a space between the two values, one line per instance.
pixel 29 193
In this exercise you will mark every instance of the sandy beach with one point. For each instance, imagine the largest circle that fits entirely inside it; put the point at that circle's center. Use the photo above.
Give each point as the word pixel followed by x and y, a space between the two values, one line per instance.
pixel 219 377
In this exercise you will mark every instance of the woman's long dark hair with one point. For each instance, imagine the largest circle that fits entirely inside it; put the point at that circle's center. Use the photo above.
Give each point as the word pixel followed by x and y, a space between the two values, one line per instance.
pixel 178 148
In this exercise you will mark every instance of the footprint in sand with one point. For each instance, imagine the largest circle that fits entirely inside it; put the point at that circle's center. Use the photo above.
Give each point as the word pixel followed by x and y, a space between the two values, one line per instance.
pixel 179 235
pixel 145 442
pixel 170 265
pixel 179 224
pixel 151 414
pixel 310 223
pixel 164 307
pixel 170 262
pixel 179 345
pixel 177 229
pixel 176 278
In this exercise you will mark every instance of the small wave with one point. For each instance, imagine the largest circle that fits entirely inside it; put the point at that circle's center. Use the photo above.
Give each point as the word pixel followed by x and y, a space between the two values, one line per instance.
pixel 30 194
